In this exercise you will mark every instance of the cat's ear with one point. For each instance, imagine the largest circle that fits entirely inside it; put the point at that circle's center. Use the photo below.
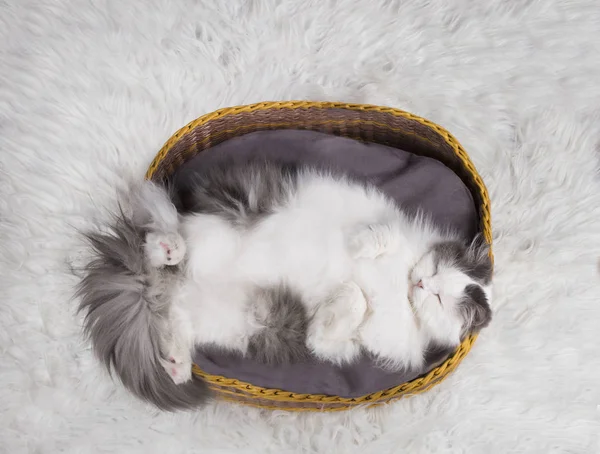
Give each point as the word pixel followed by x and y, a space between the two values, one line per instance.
pixel 475 308
pixel 478 256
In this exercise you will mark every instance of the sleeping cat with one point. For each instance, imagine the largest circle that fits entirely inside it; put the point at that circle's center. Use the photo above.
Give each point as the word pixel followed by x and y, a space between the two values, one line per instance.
pixel 275 262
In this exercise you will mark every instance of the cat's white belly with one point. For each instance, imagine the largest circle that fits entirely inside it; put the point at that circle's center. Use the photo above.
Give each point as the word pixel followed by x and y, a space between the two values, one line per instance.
pixel 305 253
pixel 303 245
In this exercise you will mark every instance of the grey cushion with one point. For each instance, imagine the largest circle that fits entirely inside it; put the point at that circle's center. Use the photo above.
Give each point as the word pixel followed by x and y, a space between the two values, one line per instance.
pixel 413 181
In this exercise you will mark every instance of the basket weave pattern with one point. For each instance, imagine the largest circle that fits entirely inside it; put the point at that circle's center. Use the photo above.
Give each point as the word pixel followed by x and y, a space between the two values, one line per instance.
pixel 383 125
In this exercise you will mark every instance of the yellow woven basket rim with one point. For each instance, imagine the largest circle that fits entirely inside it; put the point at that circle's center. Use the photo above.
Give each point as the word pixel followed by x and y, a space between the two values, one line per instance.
pixel 242 392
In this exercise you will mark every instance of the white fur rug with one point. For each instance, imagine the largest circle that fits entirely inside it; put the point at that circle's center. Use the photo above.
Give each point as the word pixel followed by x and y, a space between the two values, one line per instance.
pixel 89 91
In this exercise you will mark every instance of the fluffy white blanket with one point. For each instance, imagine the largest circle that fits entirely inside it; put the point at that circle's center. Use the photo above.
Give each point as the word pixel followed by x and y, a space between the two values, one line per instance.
pixel 89 90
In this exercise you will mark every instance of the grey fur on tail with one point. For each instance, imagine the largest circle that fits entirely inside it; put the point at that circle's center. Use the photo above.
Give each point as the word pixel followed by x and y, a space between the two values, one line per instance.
pixel 126 308
pixel 283 323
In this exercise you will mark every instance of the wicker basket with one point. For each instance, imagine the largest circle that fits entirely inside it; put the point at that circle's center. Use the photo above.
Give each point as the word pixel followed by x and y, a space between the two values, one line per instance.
pixel 367 123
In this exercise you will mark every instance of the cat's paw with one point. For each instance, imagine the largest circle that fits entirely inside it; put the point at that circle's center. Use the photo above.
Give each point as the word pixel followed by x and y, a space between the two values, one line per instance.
pixel 351 301
pixel 361 246
pixel 164 249
pixel 372 241
pixel 179 368
pixel 332 333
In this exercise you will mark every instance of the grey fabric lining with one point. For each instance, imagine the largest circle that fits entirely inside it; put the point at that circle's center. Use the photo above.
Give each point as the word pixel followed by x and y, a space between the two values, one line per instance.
pixel 413 181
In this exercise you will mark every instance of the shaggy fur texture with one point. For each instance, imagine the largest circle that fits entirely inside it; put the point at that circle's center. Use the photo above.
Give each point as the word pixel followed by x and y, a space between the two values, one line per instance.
pixel 90 90
pixel 283 322
pixel 126 306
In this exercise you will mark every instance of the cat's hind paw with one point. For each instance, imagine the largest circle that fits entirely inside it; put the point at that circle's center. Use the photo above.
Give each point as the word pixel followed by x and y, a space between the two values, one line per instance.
pixel 179 369
pixel 164 249
pixel 332 333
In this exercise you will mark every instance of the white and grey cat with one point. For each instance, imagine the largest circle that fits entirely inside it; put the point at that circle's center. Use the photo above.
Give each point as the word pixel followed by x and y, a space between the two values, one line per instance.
pixel 275 262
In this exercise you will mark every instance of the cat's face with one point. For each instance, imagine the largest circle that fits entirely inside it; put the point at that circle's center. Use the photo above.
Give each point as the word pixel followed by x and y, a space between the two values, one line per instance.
pixel 449 289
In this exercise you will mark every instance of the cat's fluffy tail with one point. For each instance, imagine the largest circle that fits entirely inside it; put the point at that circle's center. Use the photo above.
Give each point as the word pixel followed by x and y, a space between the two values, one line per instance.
pixel 126 303
pixel 281 321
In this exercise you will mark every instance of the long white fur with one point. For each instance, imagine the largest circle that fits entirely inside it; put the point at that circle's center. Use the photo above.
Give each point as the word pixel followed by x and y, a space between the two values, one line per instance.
pixel 345 248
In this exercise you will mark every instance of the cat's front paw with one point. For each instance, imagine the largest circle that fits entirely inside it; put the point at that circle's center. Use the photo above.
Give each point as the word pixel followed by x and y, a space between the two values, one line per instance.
pixel 372 241
pixel 164 249
pixel 178 368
